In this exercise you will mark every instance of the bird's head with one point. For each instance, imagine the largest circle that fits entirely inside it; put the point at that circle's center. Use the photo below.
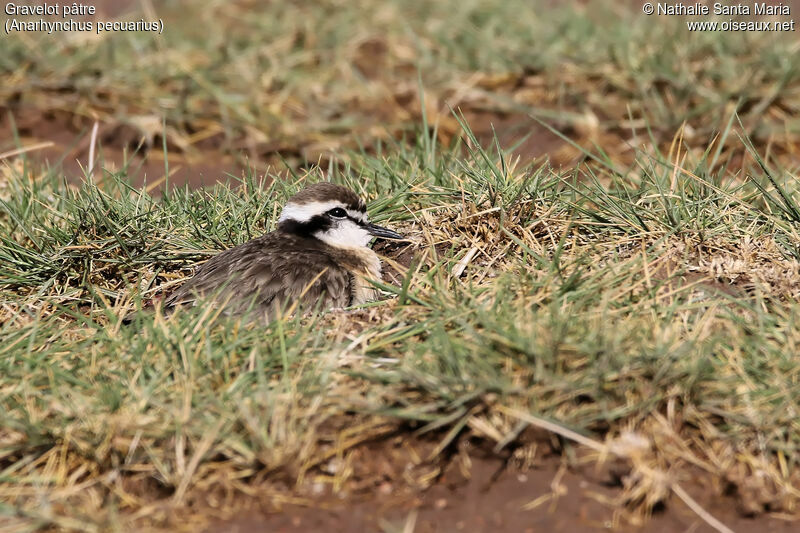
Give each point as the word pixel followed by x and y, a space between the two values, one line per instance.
pixel 332 214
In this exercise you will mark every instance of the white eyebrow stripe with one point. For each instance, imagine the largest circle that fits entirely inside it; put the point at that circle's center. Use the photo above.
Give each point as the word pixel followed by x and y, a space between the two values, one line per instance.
pixel 357 215
pixel 305 212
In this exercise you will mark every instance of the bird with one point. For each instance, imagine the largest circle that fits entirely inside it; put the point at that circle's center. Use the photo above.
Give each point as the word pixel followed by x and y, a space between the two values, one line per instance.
pixel 317 257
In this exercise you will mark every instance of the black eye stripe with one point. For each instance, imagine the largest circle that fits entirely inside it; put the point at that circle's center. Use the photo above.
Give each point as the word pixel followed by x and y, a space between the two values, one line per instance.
pixel 340 213
pixel 316 224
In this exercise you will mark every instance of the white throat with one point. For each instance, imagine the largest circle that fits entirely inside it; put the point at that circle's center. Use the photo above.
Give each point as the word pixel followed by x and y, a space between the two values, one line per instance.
pixel 346 235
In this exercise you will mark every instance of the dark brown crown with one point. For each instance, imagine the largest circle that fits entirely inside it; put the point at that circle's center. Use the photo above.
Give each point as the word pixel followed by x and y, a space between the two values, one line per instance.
pixel 329 192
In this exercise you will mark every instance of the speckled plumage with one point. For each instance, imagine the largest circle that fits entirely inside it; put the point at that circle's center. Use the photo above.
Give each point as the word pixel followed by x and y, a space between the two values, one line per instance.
pixel 292 264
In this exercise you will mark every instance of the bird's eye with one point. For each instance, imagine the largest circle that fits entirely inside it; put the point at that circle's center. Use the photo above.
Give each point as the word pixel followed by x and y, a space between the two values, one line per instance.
pixel 337 212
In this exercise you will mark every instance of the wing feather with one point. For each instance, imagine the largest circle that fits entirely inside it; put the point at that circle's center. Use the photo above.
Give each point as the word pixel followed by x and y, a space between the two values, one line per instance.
pixel 261 276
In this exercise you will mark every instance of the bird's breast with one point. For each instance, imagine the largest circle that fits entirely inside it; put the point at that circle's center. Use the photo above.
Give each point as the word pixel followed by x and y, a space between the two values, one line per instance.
pixel 364 265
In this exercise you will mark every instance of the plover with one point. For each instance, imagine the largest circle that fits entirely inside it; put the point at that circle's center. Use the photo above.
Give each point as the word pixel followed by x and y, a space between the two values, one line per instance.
pixel 319 255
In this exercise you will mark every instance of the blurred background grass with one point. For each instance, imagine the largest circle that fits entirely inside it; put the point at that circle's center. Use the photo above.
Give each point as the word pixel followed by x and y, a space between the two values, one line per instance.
pixel 246 83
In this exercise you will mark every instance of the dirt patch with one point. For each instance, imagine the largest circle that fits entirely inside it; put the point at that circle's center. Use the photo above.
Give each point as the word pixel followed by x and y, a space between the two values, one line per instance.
pixel 140 155
pixel 477 490
pixel 523 136
pixel 65 141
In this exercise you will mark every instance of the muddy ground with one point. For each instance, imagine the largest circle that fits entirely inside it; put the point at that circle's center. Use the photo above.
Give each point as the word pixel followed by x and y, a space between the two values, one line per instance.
pixel 62 139
pixel 478 490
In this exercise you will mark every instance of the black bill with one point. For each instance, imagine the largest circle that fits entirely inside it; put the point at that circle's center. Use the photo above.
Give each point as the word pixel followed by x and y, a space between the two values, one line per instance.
pixel 384 233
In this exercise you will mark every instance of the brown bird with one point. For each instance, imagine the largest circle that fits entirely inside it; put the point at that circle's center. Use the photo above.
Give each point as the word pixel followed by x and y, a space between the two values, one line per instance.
pixel 318 256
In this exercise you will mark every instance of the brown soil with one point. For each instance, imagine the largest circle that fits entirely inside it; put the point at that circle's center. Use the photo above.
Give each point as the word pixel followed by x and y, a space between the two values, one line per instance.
pixel 529 140
pixel 121 147
pixel 476 490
